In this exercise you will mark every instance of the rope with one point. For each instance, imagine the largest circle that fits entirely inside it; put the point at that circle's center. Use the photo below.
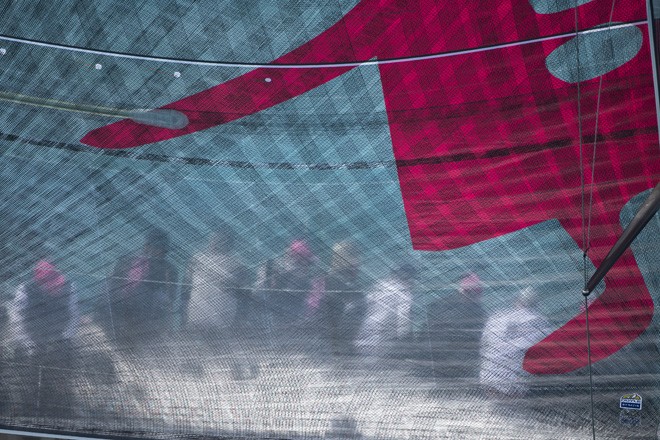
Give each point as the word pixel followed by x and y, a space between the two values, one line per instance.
pixel 591 377
pixel 579 109
pixel 593 158
pixel 587 239
pixel 582 213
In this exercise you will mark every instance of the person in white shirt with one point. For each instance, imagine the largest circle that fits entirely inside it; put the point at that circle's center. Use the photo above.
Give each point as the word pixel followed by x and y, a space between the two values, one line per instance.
pixel 388 312
pixel 214 279
pixel 507 335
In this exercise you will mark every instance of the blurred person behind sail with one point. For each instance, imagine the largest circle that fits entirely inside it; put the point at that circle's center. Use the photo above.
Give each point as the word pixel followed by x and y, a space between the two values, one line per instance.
pixel 454 328
pixel 284 285
pixel 212 295
pixel 342 305
pixel 142 292
pixel 388 317
pixel 507 336
pixel 44 320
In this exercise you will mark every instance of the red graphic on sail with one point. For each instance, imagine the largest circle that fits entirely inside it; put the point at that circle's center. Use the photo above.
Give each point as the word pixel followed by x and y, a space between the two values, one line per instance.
pixel 487 141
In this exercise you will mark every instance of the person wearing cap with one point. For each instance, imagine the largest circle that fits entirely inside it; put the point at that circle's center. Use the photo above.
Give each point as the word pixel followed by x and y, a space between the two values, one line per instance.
pixel 142 292
pixel 284 284
pixel 453 331
pixel 506 337
pixel 388 317
pixel 45 320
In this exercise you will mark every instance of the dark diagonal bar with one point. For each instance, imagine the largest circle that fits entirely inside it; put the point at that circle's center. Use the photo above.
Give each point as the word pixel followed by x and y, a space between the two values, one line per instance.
pixel 643 216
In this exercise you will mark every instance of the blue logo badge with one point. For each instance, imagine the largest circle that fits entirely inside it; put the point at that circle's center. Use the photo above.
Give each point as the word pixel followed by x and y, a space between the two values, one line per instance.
pixel 631 401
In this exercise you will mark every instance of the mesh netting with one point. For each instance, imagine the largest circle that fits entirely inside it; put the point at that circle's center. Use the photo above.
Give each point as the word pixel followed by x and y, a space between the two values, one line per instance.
pixel 379 236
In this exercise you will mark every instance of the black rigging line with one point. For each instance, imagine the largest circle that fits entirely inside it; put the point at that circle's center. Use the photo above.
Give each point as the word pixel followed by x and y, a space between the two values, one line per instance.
pixel 587 243
pixel 591 378
pixel 593 159
pixel 582 212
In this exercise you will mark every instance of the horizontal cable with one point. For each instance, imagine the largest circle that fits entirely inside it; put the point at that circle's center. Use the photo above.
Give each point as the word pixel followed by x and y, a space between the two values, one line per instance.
pixel 371 62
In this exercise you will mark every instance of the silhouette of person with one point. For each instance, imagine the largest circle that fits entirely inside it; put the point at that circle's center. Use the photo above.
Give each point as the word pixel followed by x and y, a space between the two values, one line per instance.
pixel 473 109
pixel 212 295
pixel 507 335
pixel 45 319
pixel 454 330
pixel 342 306
pixel 388 321
pixel 285 283
pixel 142 291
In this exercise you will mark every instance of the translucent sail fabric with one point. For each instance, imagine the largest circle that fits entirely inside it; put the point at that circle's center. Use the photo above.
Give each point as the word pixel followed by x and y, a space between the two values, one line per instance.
pixel 366 219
